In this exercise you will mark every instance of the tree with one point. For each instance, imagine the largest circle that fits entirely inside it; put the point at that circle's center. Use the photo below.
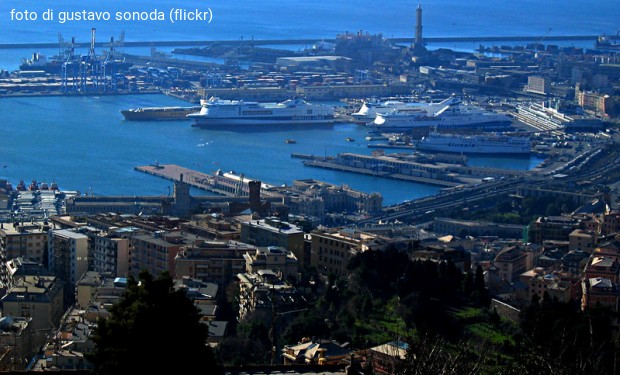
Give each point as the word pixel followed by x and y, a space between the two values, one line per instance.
pixel 153 328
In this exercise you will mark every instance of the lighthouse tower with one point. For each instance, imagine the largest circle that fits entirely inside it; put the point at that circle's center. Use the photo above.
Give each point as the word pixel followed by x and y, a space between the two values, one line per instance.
pixel 418 43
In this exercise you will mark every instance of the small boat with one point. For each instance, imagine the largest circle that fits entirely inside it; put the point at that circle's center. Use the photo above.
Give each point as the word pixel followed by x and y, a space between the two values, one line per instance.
pixel 290 141
pixel 349 139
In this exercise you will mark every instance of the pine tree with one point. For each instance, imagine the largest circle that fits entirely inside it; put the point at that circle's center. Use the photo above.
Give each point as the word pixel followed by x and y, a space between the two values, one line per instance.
pixel 152 328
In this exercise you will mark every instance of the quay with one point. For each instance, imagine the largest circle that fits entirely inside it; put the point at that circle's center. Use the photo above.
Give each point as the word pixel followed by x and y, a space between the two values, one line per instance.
pixel 191 177
pixel 228 184
pixel 187 43
pixel 396 176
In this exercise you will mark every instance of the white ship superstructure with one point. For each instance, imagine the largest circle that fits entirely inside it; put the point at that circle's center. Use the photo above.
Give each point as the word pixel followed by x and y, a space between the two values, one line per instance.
pixel 216 112
pixel 452 113
pixel 370 109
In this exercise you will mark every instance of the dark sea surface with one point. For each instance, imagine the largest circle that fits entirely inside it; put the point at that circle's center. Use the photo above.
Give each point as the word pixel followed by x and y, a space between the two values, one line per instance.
pixel 84 144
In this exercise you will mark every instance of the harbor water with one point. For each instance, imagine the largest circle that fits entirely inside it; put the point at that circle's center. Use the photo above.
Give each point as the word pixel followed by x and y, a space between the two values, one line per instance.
pixel 84 143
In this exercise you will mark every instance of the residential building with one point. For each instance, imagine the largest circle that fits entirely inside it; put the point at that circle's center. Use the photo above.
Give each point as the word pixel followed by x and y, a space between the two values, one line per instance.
pixel 599 104
pixel 156 252
pixel 558 285
pixel 603 267
pixel 599 291
pixel 611 223
pixel 217 331
pixel 36 297
pixel 322 352
pixel 582 240
pixel 510 263
pixel 111 253
pixel 26 240
pixel 275 232
pixel 68 258
pixel 274 258
pixel 212 227
pixel 262 293
pixel 87 288
pixel 331 250
pixel 212 261
pixel 387 358
pixel 552 228
pixel 16 335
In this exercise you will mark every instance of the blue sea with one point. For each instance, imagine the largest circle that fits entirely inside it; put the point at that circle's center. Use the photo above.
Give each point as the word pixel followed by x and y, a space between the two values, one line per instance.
pixel 294 19
pixel 84 144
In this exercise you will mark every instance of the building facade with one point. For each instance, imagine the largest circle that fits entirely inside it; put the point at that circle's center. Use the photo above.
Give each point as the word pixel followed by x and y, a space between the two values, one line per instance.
pixel 36 297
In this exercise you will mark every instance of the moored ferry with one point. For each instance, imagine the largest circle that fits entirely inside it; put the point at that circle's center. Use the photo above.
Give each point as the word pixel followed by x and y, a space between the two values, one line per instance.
pixel 216 112
pixel 159 113
pixel 475 144
pixel 452 113
pixel 369 109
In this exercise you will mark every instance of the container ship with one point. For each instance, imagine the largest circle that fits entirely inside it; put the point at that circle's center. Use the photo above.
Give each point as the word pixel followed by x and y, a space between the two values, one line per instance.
pixel 217 113
pixel 475 144
pixel 159 113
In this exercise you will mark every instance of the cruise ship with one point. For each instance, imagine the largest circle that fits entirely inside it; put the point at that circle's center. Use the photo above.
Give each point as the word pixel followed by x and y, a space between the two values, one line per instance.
pixel 452 113
pixel 369 109
pixel 159 113
pixel 216 113
pixel 475 144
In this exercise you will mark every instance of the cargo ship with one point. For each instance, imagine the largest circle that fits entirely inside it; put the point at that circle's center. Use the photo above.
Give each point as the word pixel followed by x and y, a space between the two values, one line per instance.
pixel 159 113
pixel 475 144
pixel 217 113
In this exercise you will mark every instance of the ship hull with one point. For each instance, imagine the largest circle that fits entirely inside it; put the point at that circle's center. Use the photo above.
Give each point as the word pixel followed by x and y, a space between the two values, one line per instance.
pixel 217 113
pixel 159 114
pixel 222 122
pixel 439 123
pixel 478 144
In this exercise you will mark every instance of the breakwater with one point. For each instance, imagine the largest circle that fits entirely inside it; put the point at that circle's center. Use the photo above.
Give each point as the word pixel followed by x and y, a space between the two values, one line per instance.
pixel 184 43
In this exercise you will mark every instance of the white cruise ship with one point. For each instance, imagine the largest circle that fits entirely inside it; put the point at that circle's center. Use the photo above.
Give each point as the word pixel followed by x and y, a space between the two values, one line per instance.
pixel 452 113
pixel 475 144
pixel 216 113
pixel 370 109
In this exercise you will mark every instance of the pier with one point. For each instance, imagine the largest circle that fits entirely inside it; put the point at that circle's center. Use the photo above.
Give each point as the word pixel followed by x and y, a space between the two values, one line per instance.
pixel 191 177
pixel 187 43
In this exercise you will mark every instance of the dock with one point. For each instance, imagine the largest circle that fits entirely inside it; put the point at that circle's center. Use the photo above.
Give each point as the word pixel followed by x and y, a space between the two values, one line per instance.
pixel 397 176
pixel 191 177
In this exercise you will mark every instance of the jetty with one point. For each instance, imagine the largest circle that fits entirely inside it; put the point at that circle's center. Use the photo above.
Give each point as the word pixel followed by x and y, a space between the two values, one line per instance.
pixel 177 173
pixel 256 42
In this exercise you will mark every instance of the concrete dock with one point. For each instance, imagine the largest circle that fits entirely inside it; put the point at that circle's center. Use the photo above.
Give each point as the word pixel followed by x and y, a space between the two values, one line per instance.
pixel 255 42
pixel 191 177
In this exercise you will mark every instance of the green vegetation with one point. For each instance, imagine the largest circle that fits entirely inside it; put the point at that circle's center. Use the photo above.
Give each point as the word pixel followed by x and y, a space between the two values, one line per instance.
pixel 445 316
pixel 152 318
pixel 516 211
